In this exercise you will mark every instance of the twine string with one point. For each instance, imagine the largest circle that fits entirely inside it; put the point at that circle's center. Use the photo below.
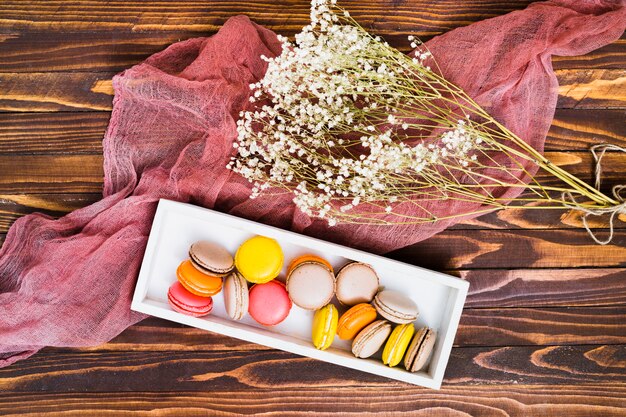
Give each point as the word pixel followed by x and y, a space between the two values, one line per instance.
pixel 598 152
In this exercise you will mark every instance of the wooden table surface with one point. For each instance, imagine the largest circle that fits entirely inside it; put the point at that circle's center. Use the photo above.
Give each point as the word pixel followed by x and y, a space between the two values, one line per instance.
pixel 544 328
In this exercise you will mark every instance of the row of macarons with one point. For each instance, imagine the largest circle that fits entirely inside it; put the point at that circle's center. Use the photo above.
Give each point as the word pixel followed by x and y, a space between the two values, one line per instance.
pixel 310 283
pixel 369 333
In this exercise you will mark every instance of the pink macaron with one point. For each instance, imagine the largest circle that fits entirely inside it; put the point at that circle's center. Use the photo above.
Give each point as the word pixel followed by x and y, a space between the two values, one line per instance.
pixel 185 302
pixel 269 303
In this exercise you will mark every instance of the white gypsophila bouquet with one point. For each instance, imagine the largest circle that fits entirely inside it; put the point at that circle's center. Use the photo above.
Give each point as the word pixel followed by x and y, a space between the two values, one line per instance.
pixel 362 133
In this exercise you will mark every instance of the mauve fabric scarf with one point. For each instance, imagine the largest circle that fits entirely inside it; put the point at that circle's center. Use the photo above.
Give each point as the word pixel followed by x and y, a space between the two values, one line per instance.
pixel 69 282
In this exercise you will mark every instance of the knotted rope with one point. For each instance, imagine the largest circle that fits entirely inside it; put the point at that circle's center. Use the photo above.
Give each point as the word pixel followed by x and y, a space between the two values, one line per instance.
pixel 598 152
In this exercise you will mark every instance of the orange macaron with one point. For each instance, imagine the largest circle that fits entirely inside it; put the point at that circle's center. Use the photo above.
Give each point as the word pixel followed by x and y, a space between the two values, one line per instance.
pixel 197 282
pixel 308 258
pixel 354 320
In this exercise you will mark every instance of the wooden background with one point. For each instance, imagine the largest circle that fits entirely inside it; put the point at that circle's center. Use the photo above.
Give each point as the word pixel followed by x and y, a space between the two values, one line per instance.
pixel 544 329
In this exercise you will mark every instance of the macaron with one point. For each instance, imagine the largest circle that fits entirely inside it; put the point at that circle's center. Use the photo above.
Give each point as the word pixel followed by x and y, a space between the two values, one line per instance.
pixel 185 302
pixel 310 282
pixel 269 303
pixel 371 338
pixel 420 349
pixel 395 307
pixel 354 320
pixel 197 282
pixel 397 344
pixel 211 258
pixel 357 282
pixel 236 295
pixel 324 326
pixel 259 259
pixel 309 258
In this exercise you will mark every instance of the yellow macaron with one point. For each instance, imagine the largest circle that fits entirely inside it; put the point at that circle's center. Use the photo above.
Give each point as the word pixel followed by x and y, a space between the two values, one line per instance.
pixel 397 344
pixel 259 259
pixel 324 326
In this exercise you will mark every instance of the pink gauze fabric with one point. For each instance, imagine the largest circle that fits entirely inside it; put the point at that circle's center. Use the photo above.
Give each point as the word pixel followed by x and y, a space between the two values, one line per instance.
pixel 69 282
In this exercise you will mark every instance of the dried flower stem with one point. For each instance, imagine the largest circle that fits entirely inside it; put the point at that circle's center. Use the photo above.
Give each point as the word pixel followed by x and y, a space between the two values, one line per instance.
pixel 359 132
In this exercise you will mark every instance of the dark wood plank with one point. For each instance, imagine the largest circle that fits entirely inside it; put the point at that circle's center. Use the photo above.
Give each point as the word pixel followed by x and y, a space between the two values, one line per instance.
pixel 66 50
pixel 610 56
pixel 63 370
pixel 460 250
pixel 140 16
pixel 59 177
pixel 535 326
pixel 511 400
pixel 514 249
pixel 82 132
pixel 83 91
pixel 594 88
pixel 15 206
pixel 55 91
pixel 36 173
pixel 52 133
pixel 579 129
pixel 545 287
pixel 41 172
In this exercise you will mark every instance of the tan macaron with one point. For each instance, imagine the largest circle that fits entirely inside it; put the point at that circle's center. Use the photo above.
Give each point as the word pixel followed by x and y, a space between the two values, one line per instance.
pixel 357 282
pixel 211 258
pixel 395 307
pixel 310 284
pixel 371 339
pixel 420 349
pixel 236 295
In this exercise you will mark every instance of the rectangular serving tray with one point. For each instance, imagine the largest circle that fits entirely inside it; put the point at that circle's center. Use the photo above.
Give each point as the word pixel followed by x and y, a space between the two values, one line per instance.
pixel 176 226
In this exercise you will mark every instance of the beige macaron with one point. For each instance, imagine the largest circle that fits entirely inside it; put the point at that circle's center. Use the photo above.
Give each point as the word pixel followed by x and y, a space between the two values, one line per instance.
pixel 357 283
pixel 311 285
pixel 371 339
pixel 395 307
pixel 420 349
pixel 236 295
pixel 211 258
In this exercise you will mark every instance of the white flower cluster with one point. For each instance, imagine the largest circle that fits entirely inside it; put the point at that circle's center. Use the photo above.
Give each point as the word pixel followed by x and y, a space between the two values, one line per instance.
pixel 333 118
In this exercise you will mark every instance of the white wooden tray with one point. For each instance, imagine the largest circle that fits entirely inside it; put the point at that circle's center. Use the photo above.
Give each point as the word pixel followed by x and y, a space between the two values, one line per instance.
pixel 176 226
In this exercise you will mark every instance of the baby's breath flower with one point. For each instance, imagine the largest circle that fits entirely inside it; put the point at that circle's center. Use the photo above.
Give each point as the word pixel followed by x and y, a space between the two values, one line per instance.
pixel 329 123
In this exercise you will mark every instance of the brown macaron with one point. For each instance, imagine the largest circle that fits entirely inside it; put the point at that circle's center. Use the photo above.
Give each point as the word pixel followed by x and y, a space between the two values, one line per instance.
pixel 211 258
pixel 420 349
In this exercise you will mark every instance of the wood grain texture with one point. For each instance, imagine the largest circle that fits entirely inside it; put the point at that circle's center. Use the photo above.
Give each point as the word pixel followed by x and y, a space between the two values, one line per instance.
pixel 591 88
pixel 53 133
pixel 85 91
pixel 44 173
pixel 14 205
pixel 287 15
pixel 543 332
pixel 64 50
pixel 514 249
pixel 82 132
pixel 63 370
pixel 73 173
pixel 502 400
pixel 535 326
pixel 545 287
